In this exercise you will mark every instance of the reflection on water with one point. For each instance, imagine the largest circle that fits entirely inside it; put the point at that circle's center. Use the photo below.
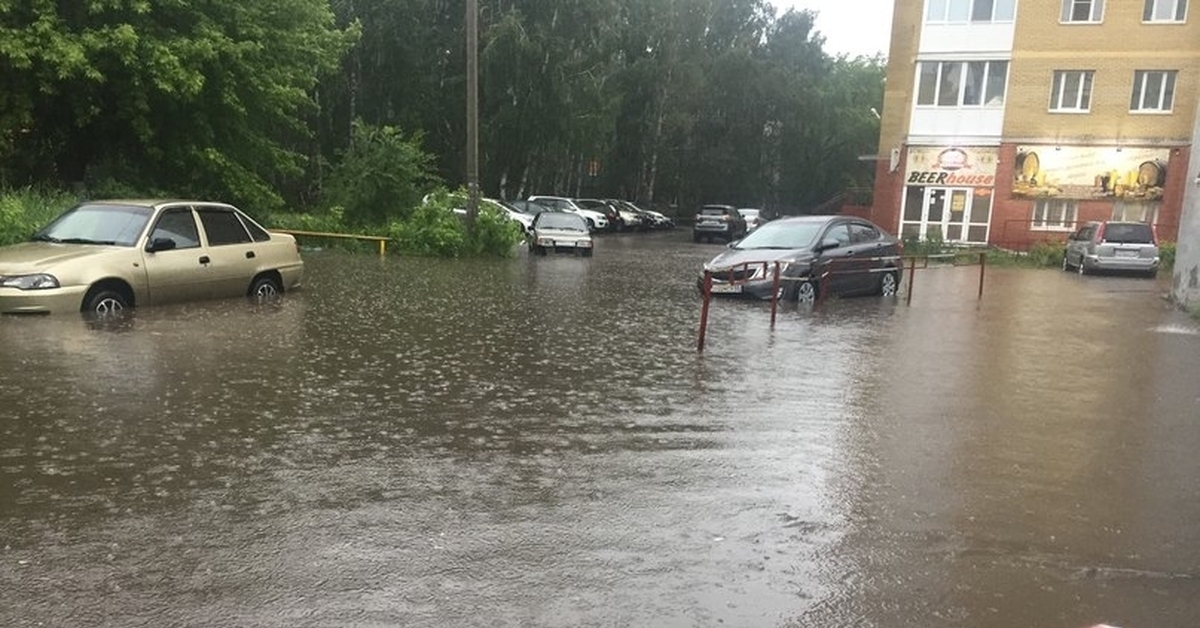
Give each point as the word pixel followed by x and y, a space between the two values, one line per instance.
pixel 407 442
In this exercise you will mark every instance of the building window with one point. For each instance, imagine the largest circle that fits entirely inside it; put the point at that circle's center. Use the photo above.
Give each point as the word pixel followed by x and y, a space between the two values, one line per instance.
pixel 1135 211
pixel 962 84
pixel 1071 90
pixel 962 11
pixel 1054 214
pixel 1083 10
pixel 1153 90
pixel 1164 11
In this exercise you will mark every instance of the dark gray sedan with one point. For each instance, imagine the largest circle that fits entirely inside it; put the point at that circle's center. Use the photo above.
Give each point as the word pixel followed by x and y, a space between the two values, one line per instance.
pixel 830 255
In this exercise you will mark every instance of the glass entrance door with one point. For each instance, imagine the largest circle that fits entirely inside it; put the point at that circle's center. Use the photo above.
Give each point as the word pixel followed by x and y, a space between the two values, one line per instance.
pixel 947 214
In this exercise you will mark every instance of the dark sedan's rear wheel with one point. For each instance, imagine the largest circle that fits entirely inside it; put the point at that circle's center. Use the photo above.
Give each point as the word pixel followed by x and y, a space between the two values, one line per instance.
pixel 1066 266
pixel 105 303
pixel 265 288
pixel 1082 267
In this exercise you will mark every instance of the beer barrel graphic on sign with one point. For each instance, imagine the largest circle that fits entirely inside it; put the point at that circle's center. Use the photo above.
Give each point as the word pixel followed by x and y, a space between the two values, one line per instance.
pixel 1028 167
pixel 1152 174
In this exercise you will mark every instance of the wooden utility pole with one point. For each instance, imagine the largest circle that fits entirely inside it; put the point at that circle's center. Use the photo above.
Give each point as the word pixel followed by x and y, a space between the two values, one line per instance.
pixel 472 112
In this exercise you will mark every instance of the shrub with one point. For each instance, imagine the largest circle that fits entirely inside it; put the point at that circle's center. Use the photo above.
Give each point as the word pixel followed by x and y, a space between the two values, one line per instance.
pixel 24 211
pixel 1166 255
pixel 434 229
pixel 380 176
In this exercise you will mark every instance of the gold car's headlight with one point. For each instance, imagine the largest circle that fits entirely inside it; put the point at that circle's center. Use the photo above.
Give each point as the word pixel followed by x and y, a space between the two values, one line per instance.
pixel 40 281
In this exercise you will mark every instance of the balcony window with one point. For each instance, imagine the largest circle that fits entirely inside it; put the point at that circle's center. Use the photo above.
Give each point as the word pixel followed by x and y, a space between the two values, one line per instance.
pixel 963 11
pixel 1071 91
pixel 1153 91
pixel 1084 11
pixel 962 84
pixel 1164 11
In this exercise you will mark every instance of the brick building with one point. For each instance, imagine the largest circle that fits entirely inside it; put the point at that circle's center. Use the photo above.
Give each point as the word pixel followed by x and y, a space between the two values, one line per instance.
pixel 1008 122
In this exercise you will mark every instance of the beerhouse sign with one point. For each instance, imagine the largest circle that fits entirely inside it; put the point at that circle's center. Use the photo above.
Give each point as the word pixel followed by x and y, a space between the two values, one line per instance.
pixel 951 166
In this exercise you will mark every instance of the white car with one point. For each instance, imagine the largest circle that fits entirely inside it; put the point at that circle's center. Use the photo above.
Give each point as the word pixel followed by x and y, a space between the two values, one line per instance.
pixel 506 210
pixel 560 232
pixel 596 220
pixel 754 217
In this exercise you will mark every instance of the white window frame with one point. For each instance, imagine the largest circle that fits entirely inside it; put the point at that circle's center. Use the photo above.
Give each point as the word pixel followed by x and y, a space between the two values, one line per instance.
pixel 1054 214
pixel 1164 11
pixel 1095 9
pixel 956 73
pixel 1062 101
pixel 1142 88
pixel 969 11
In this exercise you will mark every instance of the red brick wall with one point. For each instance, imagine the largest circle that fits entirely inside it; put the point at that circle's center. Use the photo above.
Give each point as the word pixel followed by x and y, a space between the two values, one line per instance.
pixel 889 190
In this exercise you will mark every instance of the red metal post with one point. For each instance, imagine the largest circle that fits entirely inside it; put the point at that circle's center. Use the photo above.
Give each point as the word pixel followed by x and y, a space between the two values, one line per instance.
pixel 912 275
pixel 775 295
pixel 982 268
pixel 707 295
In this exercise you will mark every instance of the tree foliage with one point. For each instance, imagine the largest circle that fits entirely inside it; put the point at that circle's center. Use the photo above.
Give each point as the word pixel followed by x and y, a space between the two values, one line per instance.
pixel 382 175
pixel 204 98
pixel 320 102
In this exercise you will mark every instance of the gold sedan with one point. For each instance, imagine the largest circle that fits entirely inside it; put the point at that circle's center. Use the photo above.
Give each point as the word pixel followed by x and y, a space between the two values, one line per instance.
pixel 102 257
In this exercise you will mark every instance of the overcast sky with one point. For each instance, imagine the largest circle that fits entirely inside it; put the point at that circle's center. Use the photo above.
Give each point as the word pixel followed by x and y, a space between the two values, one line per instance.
pixel 854 27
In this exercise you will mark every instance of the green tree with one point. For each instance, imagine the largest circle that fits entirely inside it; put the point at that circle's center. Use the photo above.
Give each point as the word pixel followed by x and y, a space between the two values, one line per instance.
pixel 192 98
pixel 381 176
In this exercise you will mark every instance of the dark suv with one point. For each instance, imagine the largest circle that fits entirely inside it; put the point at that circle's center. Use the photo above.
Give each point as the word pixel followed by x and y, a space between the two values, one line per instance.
pixel 1112 246
pixel 718 221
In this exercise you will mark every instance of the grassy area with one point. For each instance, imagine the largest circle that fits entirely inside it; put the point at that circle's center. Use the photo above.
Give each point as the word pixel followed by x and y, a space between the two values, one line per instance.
pixel 24 211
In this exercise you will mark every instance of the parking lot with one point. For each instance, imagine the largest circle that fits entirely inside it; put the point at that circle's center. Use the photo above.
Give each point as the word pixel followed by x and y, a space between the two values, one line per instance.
pixel 537 442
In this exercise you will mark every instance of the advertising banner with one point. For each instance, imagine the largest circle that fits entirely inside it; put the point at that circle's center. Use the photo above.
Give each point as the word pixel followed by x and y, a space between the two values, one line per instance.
pixel 1090 172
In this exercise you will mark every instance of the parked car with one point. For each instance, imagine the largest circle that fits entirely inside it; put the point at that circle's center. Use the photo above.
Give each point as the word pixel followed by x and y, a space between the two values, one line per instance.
pixel 102 257
pixel 506 210
pixel 754 217
pixel 619 218
pixel 522 218
pixel 655 220
pixel 718 221
pixel 597 221
pixel 1112 246
pixel 597 205
pixel 830 255
pixel 529 207
pixel 560 232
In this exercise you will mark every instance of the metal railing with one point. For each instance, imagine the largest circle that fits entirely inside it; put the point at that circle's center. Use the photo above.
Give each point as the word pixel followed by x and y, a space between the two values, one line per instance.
pixel 745 272
pixel 382 240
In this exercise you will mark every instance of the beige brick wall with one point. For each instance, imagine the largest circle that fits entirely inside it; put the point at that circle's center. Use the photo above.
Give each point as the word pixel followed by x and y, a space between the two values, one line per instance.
pixel 1114 49
pixel 907 17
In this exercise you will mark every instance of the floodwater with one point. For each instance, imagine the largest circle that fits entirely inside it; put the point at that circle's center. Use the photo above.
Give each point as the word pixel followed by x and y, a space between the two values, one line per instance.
pixel 537 442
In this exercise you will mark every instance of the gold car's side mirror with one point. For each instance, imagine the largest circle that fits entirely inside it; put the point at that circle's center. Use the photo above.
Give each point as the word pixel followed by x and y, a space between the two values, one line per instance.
pixel 160 244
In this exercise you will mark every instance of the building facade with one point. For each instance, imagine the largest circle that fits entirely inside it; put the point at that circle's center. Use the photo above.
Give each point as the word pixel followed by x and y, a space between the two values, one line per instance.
pixel 1009 122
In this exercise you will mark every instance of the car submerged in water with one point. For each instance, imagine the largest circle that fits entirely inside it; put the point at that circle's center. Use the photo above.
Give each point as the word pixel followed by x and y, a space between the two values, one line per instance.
pixel 816 256
pixel 101 257
pixel 560 232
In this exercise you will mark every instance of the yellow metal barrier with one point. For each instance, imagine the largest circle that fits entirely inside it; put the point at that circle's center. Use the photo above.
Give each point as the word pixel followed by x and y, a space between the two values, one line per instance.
pixel 382 240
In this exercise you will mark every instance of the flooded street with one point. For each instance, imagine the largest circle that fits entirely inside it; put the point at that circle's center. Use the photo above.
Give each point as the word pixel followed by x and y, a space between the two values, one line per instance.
pixel 536 442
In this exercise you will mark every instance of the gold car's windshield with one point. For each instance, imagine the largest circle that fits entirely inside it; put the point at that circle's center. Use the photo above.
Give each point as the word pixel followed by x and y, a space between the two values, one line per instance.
pixel 119 225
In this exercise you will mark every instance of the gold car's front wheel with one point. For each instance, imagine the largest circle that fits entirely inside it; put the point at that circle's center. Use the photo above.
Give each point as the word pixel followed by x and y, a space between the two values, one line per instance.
pixel 105 302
